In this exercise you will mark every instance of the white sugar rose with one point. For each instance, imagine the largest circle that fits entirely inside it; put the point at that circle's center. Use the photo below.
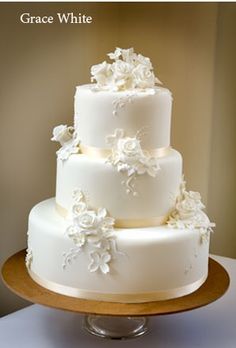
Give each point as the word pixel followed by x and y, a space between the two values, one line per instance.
pixel 62 134
pixel 144 77
pixel 186 208
pixel 196 197
pixel 101 73
pixel 87 220
pixel 122 69
pixel 122 74
pixel 129 148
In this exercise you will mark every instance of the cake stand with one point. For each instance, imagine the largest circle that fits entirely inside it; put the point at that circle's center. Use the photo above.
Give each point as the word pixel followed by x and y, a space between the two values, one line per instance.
pixel 107 319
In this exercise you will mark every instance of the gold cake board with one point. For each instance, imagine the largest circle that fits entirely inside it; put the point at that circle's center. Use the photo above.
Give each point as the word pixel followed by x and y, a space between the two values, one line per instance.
pixel 17 279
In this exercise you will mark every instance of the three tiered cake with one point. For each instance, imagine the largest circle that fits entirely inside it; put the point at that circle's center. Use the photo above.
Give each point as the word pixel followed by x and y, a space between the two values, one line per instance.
pixel 122 227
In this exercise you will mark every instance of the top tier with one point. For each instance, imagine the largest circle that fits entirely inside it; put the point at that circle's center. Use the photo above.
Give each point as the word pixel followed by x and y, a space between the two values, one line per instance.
pixel 98 114
pixel 124 96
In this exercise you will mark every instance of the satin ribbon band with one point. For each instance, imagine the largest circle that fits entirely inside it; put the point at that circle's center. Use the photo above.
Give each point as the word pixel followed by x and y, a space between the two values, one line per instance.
pixel 125 298
pixel 126 223
pixel 100 152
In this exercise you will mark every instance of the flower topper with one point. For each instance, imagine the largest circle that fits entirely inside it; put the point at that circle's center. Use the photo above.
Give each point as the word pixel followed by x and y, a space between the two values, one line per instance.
pixel 92 232
pixel 68 139
pixel 128 71
pixel 188 213
pixel 128 156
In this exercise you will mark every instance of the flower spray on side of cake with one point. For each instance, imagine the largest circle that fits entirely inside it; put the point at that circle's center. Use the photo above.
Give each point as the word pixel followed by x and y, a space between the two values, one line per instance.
pixel 128 71
pixel 69 140
pixel 188 213
pixel 92 232
pixel 127 156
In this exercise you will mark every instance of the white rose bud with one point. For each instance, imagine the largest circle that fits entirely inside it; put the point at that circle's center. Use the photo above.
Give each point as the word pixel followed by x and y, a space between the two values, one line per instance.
pixel 144 77
pixel 62 134
pixel 122 75
pixel 129 149
pixel 86 220
pixel 101 73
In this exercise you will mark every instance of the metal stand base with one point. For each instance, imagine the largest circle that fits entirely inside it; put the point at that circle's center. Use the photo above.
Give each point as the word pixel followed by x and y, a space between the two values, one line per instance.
pixel 115 327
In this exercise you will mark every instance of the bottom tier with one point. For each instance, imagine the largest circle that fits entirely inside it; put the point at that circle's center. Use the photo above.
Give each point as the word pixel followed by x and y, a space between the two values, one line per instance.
pixel 150 264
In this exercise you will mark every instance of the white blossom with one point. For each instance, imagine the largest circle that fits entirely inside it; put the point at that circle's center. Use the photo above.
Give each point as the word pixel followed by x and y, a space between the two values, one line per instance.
pixel 122 75
pixel 101 73
pixel 100 261
pixel 116 54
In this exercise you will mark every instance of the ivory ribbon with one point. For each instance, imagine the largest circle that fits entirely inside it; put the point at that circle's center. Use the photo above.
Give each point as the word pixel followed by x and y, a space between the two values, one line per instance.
pixel 126 223
pixel 100 152
pixel 125 298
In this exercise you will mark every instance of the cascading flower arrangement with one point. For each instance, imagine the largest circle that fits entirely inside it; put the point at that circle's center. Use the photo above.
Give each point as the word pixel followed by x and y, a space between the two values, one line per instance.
pixel 92 232
pixel 127 156
pixel 188 213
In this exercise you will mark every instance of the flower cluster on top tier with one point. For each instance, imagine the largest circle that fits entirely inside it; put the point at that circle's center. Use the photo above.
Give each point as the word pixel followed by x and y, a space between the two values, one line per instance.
pixel 188 213
pixel 93 232
pixel 68 139
pixel 128 156
pixel 128 71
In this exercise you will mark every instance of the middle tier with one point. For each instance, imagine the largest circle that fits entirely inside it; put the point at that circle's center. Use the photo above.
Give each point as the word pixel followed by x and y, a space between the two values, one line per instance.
pixel 102 185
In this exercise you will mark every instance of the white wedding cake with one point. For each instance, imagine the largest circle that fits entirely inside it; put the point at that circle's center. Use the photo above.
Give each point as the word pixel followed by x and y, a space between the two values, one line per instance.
pixel 122 227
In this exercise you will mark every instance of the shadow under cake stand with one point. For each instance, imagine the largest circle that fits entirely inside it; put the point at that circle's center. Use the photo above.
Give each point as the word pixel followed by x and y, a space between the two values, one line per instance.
pixel 107 319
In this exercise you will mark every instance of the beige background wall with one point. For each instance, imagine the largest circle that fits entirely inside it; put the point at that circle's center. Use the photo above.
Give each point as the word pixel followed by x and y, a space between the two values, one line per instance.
pixel 193 50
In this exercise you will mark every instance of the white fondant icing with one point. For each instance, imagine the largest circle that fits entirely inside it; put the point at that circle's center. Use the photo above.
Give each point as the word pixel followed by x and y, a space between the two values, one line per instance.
pixel 94 115
pixel 154 258
pixel 156 194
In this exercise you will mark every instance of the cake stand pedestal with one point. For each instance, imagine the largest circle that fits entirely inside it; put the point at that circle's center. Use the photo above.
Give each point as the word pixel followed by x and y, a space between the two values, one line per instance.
pixel 107 319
